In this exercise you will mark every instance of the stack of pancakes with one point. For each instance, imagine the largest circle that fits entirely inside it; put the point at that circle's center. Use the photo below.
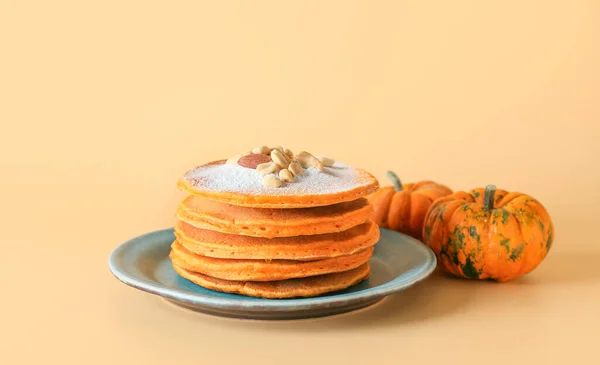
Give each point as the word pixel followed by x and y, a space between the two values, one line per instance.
pixel 303 239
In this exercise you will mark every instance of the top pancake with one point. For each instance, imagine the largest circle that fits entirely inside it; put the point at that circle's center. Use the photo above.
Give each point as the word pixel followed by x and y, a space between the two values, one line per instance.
pixel 241 186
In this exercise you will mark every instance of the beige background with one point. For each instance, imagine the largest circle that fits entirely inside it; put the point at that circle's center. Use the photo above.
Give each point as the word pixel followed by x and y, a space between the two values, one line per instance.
pixel 104 104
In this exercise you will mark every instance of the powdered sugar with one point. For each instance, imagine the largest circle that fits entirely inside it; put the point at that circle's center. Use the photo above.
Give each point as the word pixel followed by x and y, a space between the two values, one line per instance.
pixel 238 179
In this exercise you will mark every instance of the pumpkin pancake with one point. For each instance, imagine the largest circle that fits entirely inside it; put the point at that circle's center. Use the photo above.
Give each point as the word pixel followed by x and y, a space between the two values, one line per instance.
pixel 222 245
pixel 264 270
pixel 242 186
pixel 269 223
pixel 291 288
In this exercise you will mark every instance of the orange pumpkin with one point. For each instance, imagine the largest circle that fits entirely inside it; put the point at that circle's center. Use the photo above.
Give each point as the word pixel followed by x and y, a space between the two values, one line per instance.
pixel 488 233
pixel 402 208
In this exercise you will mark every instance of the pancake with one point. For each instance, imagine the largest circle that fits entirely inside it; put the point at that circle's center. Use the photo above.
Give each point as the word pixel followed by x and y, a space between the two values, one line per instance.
pixel 238 185
pixel 269 223
pixel 291 288
pixel 227 246
pixel 263 270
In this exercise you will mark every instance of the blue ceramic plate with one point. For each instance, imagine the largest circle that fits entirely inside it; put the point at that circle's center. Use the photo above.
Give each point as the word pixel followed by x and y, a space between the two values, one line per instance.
pixel 399 261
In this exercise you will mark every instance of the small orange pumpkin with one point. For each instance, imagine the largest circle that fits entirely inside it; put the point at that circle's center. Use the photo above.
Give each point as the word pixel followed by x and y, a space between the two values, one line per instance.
pixel 402 208
pixel 488 233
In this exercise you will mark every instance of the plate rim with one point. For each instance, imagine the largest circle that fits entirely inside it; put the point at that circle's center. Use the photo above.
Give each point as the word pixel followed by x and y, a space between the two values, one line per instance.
pixel 253 303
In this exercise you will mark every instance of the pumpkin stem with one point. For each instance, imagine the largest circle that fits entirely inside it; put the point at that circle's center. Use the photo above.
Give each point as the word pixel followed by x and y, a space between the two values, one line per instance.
pixel 395 180
pixel 488 197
